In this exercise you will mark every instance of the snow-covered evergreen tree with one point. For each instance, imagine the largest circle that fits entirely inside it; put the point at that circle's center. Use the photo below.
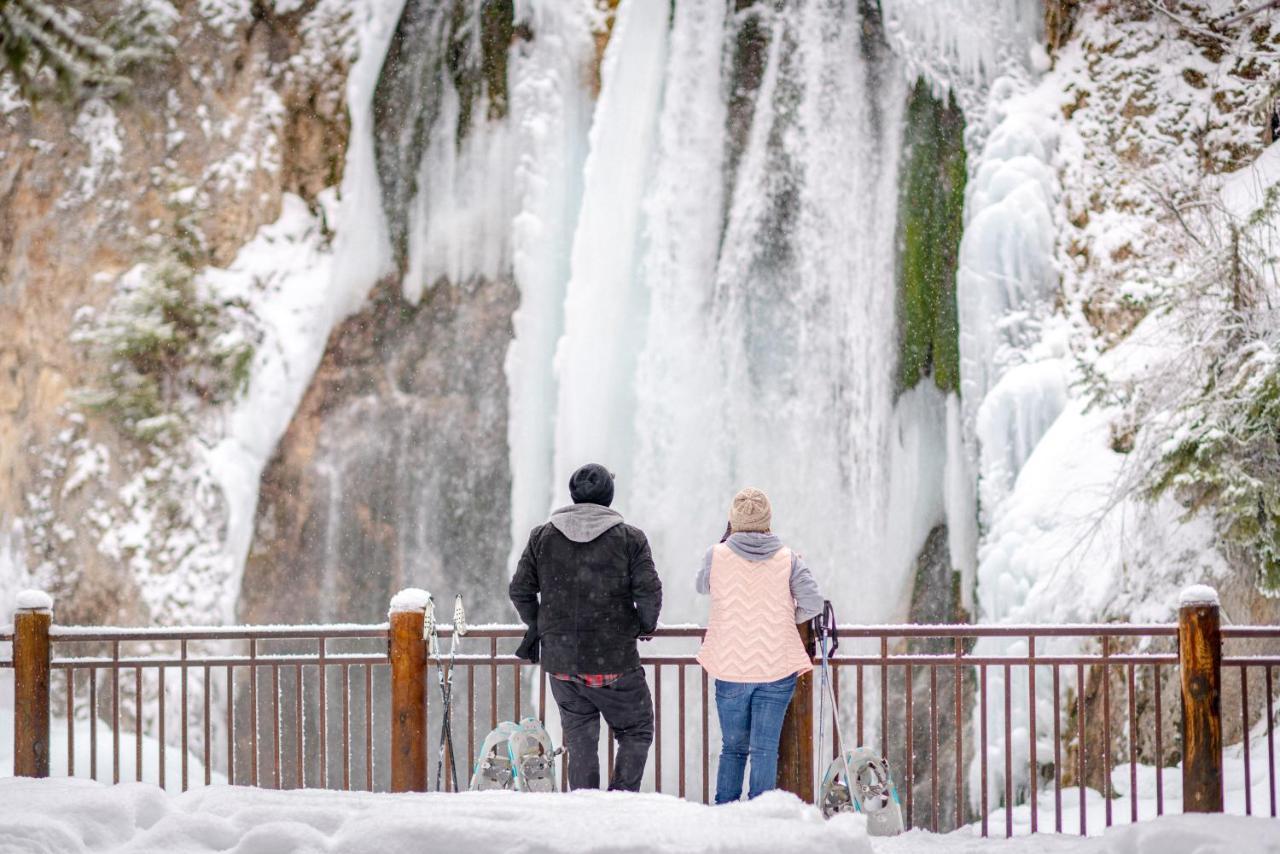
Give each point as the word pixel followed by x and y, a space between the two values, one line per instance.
pixel 47 48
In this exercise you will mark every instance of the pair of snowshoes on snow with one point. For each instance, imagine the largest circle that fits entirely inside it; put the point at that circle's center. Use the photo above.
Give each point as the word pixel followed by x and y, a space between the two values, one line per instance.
pixel 516 756
pixel 860 781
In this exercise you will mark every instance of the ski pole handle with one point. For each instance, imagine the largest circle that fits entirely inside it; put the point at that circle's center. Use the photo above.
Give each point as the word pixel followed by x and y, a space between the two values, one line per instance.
pixel 829 620
pixel 459 617
pixel 429 627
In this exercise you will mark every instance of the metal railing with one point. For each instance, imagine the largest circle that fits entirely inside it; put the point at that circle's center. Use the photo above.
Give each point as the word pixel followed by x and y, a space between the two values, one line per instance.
pixel 980 723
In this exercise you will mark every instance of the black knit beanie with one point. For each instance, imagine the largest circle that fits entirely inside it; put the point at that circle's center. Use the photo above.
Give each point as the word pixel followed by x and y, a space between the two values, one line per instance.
pixel 591 484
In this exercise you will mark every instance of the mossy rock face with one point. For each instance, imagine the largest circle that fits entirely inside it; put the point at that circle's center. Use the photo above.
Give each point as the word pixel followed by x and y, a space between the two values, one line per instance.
pixel 488 75
pixel 930 221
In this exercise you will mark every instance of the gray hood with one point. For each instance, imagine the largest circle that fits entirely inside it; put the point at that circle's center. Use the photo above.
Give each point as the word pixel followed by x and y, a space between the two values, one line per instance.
pixel 754 545
pixel 582 523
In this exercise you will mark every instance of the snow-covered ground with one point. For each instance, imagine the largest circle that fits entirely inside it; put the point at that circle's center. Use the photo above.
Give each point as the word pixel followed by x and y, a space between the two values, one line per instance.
pixel 1190 834
pixel 56 816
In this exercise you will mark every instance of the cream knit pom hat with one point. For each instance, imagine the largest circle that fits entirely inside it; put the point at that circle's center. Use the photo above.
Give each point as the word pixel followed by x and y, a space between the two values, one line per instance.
pixel 750 511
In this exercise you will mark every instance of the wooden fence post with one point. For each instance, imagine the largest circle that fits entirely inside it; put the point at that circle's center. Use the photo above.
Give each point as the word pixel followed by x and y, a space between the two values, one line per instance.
pixel 31 658
pixel 1200 665
pixel 408 692
pixel 795 747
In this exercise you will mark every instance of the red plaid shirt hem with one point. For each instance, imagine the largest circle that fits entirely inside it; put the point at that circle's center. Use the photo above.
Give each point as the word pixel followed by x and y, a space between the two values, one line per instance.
pixel 591 680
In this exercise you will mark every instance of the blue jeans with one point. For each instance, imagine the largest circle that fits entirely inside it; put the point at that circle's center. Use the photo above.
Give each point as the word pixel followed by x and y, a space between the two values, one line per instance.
pixel 750 724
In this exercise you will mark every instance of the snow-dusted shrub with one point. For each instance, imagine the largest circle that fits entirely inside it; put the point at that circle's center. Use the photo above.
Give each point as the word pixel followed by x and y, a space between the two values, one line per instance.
pixel 166 346
pixel 1211 412
pixel 1224 455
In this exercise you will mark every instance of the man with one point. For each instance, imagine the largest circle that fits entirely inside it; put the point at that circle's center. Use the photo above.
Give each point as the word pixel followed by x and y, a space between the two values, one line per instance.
pixel 587 589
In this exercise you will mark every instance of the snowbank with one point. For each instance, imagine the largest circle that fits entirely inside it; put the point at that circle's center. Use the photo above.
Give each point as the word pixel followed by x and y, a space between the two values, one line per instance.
pixel 57 816
pixel 76 816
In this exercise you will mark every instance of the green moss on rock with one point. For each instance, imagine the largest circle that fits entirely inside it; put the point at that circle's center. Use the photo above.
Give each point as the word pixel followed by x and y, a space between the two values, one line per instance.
pixel 930 220
pixel 496 28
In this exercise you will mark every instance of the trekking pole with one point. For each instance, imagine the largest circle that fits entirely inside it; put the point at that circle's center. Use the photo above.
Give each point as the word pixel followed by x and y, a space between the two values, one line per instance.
pixel 445 673
pixel 827 631
pixel 459 631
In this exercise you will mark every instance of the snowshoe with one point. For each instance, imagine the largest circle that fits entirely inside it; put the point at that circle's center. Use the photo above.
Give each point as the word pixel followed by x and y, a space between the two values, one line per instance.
pixel 860 781
pixel 494 769
pixel 532 757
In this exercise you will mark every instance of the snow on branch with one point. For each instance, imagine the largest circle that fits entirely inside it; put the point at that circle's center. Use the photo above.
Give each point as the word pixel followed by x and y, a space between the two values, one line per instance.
pixel 38 40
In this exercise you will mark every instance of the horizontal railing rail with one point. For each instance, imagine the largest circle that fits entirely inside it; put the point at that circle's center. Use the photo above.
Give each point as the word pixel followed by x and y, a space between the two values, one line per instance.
pixel 982 724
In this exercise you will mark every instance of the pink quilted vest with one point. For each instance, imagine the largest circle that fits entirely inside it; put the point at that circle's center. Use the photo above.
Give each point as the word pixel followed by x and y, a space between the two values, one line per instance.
pixel 752 636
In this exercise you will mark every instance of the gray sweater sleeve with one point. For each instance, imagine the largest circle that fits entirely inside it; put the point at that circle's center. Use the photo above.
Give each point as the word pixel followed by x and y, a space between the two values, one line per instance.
pixel 804 590
pixel 703 583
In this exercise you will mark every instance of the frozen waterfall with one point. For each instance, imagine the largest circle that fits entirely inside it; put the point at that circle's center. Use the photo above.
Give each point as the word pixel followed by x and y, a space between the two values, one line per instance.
pixel 729 314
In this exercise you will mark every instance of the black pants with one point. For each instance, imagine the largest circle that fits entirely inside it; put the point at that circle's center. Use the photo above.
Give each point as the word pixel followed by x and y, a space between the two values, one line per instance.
pixel 627 707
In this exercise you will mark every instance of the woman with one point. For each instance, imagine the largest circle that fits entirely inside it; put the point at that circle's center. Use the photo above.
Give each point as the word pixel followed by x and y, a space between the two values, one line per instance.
pixel 759 590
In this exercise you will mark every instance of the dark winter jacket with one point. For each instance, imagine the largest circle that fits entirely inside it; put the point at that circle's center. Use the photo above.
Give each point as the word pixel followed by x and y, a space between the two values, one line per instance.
pixel 587 588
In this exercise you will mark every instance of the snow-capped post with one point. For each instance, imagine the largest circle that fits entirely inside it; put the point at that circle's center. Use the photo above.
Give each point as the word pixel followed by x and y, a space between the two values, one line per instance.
pixel 31 619
pixel 1200 664
pixel 408 691
pixel 795 746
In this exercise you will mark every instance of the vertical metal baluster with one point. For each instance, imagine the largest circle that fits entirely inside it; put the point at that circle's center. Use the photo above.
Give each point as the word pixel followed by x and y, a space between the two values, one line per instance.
pixel 1057 753
pixel 1244 740
pixel 681 671
pixel 657 731
pixel 982 763
pixel 1008 752
pixel 1159 745
pixel 208 727
pixel 706 745
pixel 933 748
pixel 858 671
pixel 137 724
pixel 231 728
pixel 1084 823
pixel 346 728
pixel 160 723
pixel 93 723
pixel 368 727
pixel 115 711
pixel 908 753
pixel 1133 748
pixel 959 698
pixel 471 713
pixel 1031 732
pixel 515 677
pixel 1106 727
pixel 299 739
pixel 542 694
pixel 71 722
pixel 324 718
pixel 253 712
pixel 884 695
pixel 493 684
pixel 1271 743
pixel 275 726
pixel 183 678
